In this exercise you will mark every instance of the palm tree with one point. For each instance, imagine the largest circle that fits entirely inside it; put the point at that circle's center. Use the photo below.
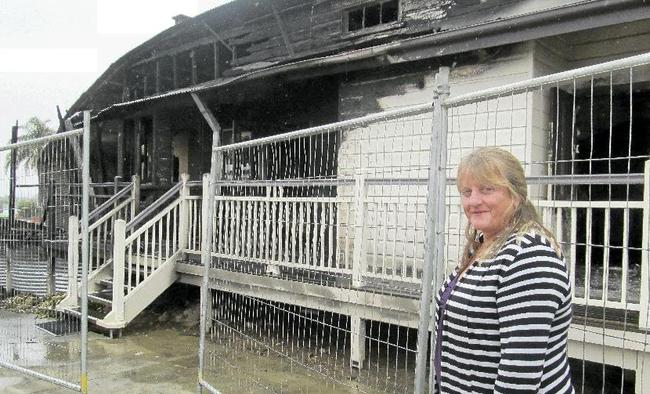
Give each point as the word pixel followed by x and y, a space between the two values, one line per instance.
pixel 28 156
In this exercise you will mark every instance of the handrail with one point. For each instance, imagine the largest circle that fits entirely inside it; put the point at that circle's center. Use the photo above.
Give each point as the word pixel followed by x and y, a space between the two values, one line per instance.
pixel 152 221
pixel 151 208
pixel 97 211
pixel 108 215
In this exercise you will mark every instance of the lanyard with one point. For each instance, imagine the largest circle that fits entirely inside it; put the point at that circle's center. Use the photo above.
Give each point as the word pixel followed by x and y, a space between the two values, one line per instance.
pixel 442 310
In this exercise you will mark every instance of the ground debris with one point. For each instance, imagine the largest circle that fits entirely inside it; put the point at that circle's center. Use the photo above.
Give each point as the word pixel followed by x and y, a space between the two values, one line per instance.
pixel 28 303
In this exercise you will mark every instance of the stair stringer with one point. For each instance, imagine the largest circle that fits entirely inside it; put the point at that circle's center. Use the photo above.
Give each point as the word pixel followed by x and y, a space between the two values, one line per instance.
pixel 103 272
pixel 143 294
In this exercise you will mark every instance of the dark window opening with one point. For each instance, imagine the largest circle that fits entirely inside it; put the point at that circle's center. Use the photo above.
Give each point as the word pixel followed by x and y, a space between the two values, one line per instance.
pixel 372 14
pixel 601 137
pixel 389 11
pixel 355 20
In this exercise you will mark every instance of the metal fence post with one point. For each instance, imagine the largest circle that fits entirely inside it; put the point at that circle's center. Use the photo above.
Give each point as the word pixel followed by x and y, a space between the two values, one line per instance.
pixel 644 300
pixel 206 243
pixel 435 224
pixel 50 214
pixel 85 200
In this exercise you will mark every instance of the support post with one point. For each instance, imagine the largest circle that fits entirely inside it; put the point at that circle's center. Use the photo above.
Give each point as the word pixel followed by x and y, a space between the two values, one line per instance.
pixel 357 342
pixel 206 220
pixel 119 236
pixel 120 152
pixel 434 241
pixel 645 253
pixel 359 258
pixel 137 149
pixel 116 187
pixel 135 196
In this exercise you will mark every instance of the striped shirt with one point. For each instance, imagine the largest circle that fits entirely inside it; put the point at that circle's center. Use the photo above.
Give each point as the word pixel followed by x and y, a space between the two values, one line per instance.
pixel 506 323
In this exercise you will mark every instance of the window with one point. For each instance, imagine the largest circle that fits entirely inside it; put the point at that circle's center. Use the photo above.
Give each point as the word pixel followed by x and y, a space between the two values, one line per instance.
pixel 372 14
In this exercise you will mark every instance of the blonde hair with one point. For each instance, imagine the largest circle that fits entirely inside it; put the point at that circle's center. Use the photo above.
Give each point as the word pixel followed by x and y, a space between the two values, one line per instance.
pixel 498 167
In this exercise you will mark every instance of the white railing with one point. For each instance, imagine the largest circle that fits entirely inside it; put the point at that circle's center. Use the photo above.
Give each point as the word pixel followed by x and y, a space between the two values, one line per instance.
pixel 100 235
pixel 603 274
pixel 147 248
pixel 150 249
pixel 122 205
pixel 297 232
pixel 368 237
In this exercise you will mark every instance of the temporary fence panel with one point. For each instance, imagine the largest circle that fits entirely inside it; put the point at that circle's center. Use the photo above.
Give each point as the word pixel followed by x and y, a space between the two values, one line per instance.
pixel 43 187
pixel 307 227
pixel 582 138
pixel 319 238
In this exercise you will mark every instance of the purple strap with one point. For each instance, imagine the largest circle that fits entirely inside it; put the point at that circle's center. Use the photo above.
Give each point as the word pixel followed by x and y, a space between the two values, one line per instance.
pixel 442 310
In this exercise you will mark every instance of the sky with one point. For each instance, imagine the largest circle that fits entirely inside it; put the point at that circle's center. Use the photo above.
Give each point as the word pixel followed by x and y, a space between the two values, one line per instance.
pixel 51 51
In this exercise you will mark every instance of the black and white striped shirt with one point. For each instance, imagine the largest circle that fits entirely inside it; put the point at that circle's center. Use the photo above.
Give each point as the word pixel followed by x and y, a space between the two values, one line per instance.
pixel 506 323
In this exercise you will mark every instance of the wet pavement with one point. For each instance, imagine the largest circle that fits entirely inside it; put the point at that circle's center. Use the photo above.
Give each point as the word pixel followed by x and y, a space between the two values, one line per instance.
pixel 146 359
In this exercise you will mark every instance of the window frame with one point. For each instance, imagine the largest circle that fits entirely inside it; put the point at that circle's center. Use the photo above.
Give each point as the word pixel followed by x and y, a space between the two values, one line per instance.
pixel 375 28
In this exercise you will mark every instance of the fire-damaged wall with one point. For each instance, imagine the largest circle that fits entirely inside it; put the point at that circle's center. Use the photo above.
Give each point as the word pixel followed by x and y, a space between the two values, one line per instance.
pixel 296 27
pixel 246 35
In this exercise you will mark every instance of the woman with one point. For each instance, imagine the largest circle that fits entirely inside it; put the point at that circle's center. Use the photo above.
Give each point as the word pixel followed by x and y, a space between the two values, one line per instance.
pixel 503 316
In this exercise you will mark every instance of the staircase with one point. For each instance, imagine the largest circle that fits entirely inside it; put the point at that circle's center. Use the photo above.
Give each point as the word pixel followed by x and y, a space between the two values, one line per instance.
pixel 131 262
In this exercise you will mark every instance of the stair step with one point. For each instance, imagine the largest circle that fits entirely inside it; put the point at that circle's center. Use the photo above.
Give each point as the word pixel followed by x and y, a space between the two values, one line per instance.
pixel 106 283
pixel 77 312
pixel 103 297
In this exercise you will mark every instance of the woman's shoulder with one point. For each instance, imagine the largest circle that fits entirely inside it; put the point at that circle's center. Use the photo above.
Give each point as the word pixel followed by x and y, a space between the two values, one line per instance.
pixel 532 246
pixel 531 239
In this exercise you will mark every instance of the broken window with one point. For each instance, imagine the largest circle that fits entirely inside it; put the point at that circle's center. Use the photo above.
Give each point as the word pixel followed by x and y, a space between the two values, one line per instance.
pixel 372 14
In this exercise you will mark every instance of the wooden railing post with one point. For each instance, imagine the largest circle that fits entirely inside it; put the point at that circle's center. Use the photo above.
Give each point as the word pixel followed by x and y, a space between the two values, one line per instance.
pixel 645 252
pixel 135 196
pixel 119 250
pixel 71 299
pixel 205 198
pixel 183 225
pixel 359 258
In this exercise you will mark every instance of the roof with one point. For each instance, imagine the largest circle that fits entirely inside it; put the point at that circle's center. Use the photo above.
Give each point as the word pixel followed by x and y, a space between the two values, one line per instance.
pixel 463 25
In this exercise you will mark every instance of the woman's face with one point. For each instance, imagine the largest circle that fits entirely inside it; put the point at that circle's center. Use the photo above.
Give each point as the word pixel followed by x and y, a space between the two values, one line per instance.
pixel 487 207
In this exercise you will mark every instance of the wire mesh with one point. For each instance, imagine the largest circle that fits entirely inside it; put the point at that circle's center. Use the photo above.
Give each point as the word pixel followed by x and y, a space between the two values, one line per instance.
pixel 337 212
pixel 583 142
pixel 319 234
pixel 38 198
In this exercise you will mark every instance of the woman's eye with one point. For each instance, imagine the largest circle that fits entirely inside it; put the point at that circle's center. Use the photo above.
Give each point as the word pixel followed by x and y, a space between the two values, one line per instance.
pixel 487 189
pixel 466 193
